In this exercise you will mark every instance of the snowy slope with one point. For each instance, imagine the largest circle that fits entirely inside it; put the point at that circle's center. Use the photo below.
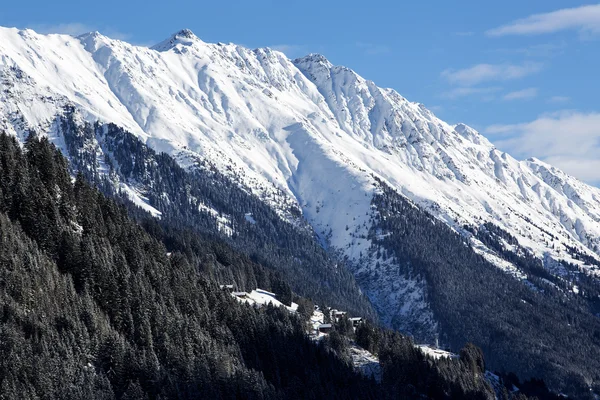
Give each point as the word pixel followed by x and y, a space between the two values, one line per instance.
pixel 260 297
pixel 316 132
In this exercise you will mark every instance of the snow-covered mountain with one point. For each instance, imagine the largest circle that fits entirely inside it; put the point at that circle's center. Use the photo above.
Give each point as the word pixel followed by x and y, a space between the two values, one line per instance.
pixel 318 133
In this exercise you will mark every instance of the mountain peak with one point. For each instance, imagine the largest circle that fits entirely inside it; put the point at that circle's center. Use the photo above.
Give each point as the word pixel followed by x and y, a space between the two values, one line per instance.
pixel 315 66
pixel 186 33
pixel 314 58
pixel 92 40
pixel 90 36
pixel 184 36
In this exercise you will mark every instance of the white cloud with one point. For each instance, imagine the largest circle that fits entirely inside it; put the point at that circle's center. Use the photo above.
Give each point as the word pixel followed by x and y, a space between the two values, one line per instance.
pixel 72 28
pixel 585 19
pixel 559 99
pixel 569 140
pixel 76 29
pixel 490 72
pixel 373 49
pixel 524 94
pixel 585 169
pixel 470 91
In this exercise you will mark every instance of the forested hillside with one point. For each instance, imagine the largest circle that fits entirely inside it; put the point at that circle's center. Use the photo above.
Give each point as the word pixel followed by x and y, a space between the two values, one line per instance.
pixel 108 155
pixel 96 306
pixel 531 327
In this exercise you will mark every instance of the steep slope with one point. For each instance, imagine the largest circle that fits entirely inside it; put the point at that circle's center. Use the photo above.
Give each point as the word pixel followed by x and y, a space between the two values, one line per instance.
pixel 206 202
pixel 301 126
pixel 454 172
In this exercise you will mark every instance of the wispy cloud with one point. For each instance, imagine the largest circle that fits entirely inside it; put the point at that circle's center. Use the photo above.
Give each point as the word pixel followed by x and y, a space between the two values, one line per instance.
pixel 291 50
pixel 468 33
pixel 486 92
pixel 585 19
pixel 373 49
pixel 559 99
pixel 569 140
pixel 490 72
pixel 524 94
pixel 72 28
pixel 77 28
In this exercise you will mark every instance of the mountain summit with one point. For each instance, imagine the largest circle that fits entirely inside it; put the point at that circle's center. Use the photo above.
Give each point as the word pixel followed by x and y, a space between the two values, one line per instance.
pixel 183 37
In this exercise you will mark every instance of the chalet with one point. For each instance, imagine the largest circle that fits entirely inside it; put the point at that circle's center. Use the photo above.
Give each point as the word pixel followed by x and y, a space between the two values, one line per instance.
pixel 337 315
pixel 228 288
pixel 325 328
pixel 355 321
pixel 241 295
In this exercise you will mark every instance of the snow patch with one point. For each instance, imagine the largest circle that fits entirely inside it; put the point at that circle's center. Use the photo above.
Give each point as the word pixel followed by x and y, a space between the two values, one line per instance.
pixel 260 297
pixel 138 198
pixel 436 353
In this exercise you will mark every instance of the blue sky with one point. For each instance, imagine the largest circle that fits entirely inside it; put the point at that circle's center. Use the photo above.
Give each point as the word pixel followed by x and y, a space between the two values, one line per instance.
pixel 524 73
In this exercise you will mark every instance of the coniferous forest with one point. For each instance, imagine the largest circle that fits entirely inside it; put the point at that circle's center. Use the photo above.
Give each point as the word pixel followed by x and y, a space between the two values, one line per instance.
pixel 95 307
pixel 531 328
pixel 98 305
